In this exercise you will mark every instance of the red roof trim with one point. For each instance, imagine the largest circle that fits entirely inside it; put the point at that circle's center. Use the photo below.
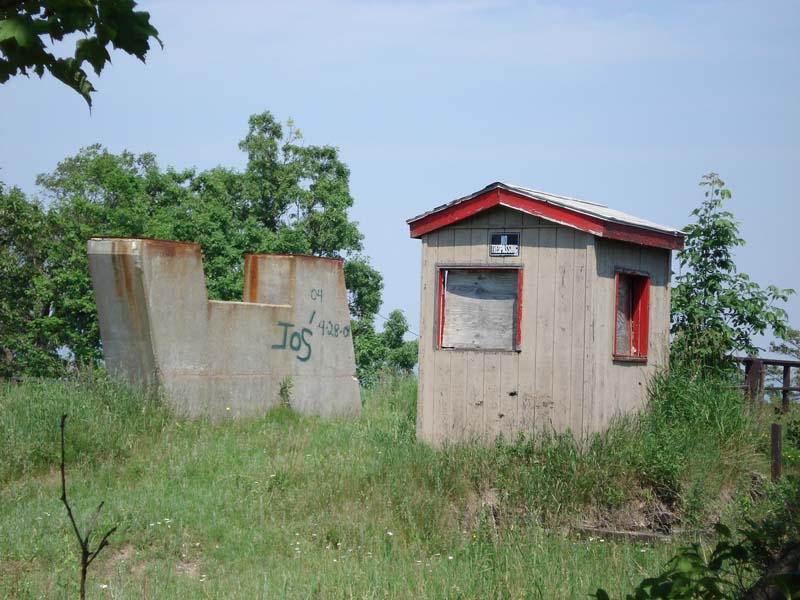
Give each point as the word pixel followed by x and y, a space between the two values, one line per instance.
pixel 590 224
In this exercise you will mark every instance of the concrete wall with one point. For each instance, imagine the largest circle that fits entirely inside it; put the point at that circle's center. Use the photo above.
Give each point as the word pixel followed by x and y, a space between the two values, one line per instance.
pixel 563 376
pixel 225 358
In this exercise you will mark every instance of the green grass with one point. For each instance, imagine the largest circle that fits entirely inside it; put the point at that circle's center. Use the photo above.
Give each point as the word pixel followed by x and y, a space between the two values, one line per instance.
pixel 299 507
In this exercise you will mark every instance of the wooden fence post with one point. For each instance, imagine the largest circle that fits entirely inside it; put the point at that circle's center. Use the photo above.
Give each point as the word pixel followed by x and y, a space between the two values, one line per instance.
pixel 787 383
pixel 755 380
pixel 776 451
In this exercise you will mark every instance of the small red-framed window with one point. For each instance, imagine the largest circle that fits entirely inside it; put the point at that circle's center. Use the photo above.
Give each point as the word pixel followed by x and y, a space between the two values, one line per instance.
pixel 479 308
pixel 631 315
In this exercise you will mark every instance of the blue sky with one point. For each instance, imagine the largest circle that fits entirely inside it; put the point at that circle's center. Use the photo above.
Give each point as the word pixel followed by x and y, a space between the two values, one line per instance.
pixel 624 103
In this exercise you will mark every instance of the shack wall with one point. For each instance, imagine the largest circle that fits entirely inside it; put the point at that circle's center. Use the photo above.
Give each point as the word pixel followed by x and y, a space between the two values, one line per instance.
pixel 563 376
pixel 465 394
pixel 621 386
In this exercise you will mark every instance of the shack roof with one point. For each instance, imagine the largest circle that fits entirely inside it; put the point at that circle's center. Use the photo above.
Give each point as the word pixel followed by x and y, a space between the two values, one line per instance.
pixel 590 217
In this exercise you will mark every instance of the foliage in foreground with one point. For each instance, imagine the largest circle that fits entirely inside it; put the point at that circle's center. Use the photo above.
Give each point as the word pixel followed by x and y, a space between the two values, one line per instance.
pixel 717 310
pixel 25 25
pixel 762 561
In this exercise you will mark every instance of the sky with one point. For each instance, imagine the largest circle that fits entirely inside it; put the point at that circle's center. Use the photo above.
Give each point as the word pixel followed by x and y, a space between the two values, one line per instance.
pixel 623 103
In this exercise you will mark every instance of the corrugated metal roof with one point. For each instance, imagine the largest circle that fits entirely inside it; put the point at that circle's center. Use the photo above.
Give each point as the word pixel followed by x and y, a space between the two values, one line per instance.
pixel 573 204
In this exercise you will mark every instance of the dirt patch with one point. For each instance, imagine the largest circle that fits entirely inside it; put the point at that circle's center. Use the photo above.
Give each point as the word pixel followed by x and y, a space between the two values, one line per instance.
pixel 651 516
pixel 482 509
pixel 189 564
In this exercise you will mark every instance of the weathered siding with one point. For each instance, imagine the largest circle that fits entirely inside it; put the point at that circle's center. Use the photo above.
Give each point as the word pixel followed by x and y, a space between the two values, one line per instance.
pixel 467 393
pixel 563 376
pixel 621 386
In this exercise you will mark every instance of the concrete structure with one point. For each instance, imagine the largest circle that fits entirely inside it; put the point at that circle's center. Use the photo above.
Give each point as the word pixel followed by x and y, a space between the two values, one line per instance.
pixel 538 312
pixel 226 358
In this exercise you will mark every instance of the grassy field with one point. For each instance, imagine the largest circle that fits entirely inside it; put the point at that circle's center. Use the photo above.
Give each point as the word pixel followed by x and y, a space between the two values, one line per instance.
pixel 297 507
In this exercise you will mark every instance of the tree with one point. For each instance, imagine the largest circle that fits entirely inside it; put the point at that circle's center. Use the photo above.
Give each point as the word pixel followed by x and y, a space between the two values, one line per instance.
pixel 25 321
pixel 716 310
pixel 384 352
pixel 25 23
pixel 290 199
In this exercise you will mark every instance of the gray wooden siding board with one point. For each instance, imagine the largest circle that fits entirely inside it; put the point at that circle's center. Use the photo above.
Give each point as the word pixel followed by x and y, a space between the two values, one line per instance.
pixel 425 397
pixel 491 392
pixel 442 394
pixel 578 345
pixel 497 216
pixel 527 356
pixel 590 418
pixel 563 331
pixel 458 395
pixel 507 415
pixel 544 330
pixel 474 401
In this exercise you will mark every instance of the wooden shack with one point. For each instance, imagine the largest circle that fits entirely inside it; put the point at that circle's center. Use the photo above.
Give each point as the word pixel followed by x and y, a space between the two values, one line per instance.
pixel 538 313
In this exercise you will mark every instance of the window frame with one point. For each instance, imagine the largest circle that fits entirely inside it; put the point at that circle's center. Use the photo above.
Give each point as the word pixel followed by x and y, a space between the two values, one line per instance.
pixel 440 303
pixel 639 333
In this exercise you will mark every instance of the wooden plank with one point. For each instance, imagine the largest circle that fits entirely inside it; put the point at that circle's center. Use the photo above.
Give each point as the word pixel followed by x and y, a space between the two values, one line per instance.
pixel 458 395
pixel 491 392
pixel 530 221
pixel 497 216
pixel 443 413
pixel 508 407
pixel 474 400
pixel 480 246
pixel 462 245
pixel 480 309
pixel 514 219
pixel 526 418
pixel 545 313
pixel 589 418
pixel 578 344
pixel 428 316
pixel 562 338
pixel 446 246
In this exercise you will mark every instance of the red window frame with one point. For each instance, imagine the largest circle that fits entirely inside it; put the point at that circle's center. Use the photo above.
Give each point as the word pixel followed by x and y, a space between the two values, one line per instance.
pixel 440 295
pixel 637 313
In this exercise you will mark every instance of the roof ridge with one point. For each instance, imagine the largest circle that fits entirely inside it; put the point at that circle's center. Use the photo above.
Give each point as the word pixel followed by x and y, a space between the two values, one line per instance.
pixel 560 196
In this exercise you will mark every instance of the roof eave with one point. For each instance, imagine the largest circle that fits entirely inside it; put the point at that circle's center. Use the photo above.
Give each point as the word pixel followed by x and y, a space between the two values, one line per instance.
pixel 469 206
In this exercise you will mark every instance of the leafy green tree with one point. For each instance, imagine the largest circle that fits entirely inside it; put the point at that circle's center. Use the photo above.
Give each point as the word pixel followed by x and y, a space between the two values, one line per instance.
pixel 402 355
pixel 790 346
pixel 384 352
pixel 290 199
pixel 26 323
pixel 24 25
pixel 716 310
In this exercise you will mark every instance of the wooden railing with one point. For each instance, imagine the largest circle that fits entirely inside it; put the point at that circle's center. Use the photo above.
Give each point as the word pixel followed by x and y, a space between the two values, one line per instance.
pixel 755 372
pixel 754 376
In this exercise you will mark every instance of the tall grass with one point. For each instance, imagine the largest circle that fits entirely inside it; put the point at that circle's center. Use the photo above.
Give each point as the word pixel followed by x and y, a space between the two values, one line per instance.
pixel 295 506
pixel 107 421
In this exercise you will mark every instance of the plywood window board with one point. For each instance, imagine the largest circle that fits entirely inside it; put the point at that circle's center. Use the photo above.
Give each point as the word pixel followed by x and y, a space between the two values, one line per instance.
pixel 480 308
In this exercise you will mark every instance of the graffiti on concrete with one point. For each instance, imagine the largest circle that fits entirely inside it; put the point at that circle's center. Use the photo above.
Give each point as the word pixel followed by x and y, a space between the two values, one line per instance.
pixel 225 358
pixel 297 340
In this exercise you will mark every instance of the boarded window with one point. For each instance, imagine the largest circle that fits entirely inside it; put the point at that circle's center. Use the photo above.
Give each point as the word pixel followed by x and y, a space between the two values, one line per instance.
pixel 479 308
pixel 631 316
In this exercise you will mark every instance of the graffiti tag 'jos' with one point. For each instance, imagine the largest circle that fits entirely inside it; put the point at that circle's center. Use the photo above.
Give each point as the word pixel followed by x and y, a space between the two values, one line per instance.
pixel 299 341
pixel 295 341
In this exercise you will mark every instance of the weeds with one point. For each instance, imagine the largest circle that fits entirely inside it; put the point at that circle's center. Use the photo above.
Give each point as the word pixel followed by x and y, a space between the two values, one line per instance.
pixel 285 505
